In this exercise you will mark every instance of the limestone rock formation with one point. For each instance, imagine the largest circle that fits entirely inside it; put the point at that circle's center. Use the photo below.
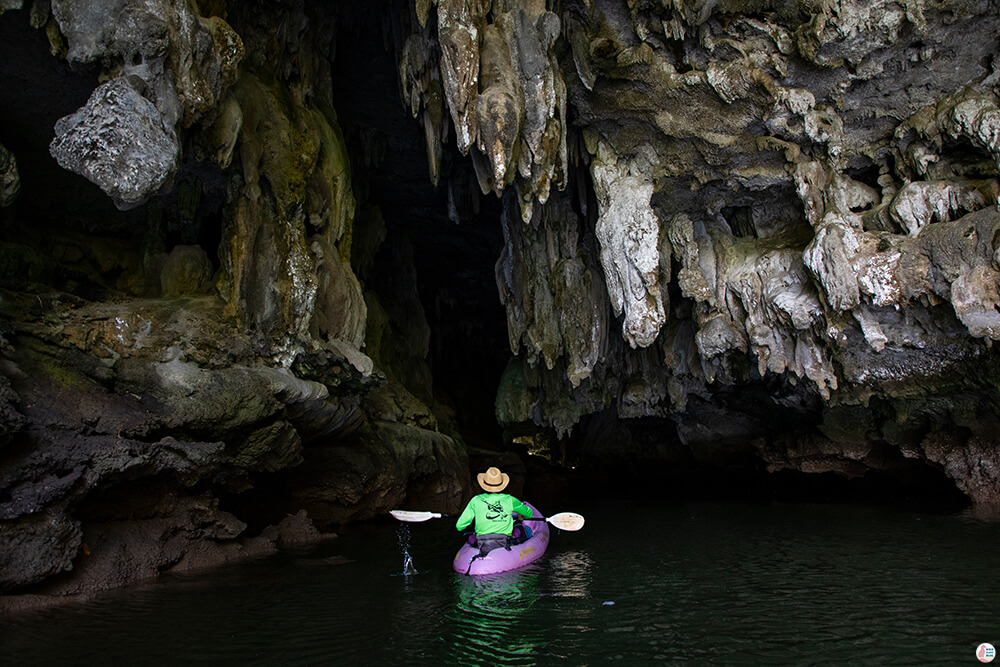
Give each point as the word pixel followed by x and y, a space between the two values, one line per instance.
pixel 551 286
pixel 773 188
pixel 181 375
pixel 119 142
pixel 501 84
pixel 175 66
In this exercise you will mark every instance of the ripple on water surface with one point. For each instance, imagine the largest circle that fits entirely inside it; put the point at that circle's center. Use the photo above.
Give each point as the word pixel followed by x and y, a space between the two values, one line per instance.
pixel 697 584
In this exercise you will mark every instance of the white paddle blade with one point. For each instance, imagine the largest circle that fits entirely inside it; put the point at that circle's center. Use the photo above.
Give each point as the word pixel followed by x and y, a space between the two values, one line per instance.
pixel 414 517
pixel 566 521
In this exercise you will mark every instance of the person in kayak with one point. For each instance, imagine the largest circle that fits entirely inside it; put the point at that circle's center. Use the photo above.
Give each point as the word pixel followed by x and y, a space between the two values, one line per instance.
pixel 493 512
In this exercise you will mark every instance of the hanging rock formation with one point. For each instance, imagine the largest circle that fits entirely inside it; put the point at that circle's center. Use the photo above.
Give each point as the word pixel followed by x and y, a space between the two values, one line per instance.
pixel 800 195
pixel 174 67
pixel 502 86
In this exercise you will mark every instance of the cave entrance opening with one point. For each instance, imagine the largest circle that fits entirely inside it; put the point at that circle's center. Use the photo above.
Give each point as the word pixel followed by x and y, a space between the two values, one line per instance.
pixel 446 239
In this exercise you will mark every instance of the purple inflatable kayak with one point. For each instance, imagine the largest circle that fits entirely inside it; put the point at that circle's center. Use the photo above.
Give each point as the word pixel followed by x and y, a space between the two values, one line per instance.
pixel 501 560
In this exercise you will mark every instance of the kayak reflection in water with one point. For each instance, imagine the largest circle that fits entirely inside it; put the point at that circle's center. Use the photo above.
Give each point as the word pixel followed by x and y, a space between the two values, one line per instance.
pixel 494 620
pixel 493 513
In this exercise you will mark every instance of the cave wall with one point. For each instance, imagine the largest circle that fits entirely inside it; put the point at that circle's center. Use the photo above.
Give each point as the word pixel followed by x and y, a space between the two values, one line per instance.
pixel 184 323
pixel 710 202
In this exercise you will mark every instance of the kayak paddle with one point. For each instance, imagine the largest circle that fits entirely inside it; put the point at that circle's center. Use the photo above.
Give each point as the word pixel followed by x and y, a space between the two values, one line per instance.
pixel 562 521
pixel 417 517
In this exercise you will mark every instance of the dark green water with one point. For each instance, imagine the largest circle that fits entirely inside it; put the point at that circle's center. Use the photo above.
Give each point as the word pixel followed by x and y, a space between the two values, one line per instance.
pixel 697 584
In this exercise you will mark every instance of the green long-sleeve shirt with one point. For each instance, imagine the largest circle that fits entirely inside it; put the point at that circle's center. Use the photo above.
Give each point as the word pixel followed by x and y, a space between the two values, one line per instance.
pixel 492 513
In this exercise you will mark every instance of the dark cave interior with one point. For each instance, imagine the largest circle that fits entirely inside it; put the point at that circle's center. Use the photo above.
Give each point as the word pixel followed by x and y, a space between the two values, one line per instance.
pixel 450 235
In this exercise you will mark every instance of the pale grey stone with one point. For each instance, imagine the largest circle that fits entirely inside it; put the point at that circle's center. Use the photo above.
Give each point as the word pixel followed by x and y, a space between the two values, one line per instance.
pixel 119 142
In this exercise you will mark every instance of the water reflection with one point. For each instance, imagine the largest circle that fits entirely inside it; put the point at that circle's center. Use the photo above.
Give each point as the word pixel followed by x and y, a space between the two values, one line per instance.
pixel 570 574
pixel 723 585
pixel 489 623
pixel 990 513
pixel 495 619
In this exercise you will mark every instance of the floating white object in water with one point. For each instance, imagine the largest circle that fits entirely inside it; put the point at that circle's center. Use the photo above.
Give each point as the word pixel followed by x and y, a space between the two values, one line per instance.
pixel 608 603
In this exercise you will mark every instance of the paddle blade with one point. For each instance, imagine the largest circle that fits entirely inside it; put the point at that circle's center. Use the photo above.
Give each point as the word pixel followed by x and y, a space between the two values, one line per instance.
pixel 566 521
pixel 414 517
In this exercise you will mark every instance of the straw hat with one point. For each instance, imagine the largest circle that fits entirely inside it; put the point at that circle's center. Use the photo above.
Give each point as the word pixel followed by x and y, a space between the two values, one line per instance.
pixel 493 480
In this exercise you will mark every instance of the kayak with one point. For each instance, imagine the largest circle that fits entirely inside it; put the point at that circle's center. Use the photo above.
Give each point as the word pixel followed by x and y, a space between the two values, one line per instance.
pixel 501 560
